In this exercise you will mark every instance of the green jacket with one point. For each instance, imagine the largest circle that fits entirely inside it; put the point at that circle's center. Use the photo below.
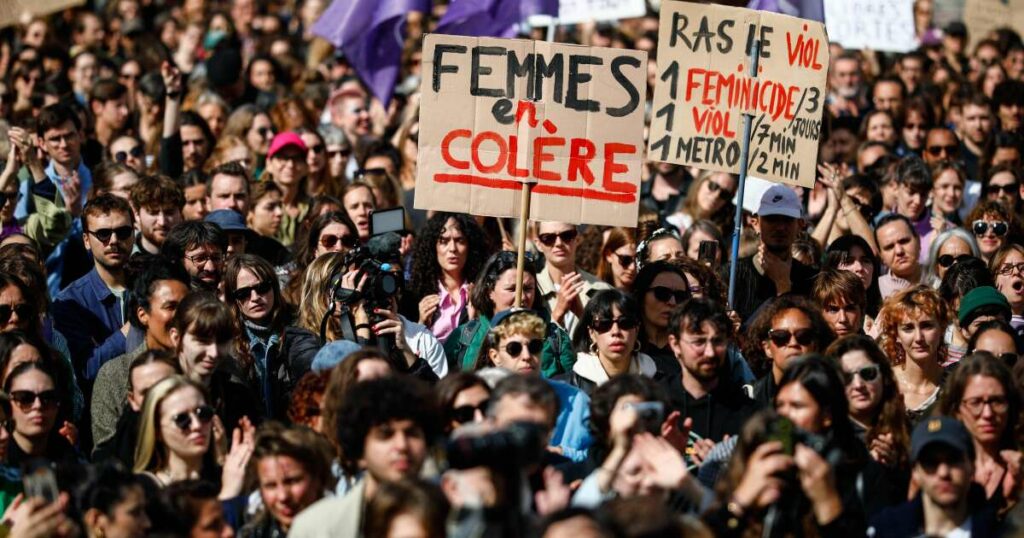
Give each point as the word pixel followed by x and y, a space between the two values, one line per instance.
pixel 463 347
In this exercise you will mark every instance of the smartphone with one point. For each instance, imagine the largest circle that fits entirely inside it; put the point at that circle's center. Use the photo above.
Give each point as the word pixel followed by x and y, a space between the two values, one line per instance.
pixel 39 481
pixel 387 220
pixel 782 430
pixel 651 415
pixel 708 252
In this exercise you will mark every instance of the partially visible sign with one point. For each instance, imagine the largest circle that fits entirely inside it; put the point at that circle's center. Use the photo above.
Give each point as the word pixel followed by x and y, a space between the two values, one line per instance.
pixel 883 25
pixel 19 11
pixel 577 11
pixel 704 87
pixel 496 113
pixel 983 16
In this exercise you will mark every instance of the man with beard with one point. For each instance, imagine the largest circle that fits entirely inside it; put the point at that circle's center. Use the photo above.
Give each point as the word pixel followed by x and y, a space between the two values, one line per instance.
pixel 699 335
pixel 200 247
pixel 846 82
pixel 157 202
pixel 773 271
pixel 91 311
pixel 899 247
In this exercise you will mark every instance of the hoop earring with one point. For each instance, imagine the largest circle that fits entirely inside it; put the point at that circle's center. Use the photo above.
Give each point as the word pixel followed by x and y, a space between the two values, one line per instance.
pixel 593 348
pixel 637 347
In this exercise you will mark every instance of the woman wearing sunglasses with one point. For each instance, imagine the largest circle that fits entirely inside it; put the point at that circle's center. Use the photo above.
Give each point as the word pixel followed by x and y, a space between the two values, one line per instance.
pixel 463 398
pixel 606 342
pixel 786 328
pixel 333 231
pixel 993 226
pixel 176 436
pixel 982 394
pixel 914 322
pixel 660 287
pixel 709 197
pixel 251 286
pixel 1007 266
pixel 998 338
pixel 951 246
pixel 618 259
pixel 876 406
pixel 37 408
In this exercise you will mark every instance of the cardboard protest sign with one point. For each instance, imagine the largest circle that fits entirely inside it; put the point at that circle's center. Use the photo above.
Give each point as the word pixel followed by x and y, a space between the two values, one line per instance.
pixel 18 11
pixel 498 112
pixel 884 25
pixel 983 16
pixel 704 87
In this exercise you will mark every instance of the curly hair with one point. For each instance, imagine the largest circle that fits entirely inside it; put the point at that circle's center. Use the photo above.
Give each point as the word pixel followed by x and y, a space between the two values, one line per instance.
pixel 757 334
pixel 916 299
pixel 997 210
pixel 342 377
pixel 526 323
pixel 604 398
pixel 493 268
pixel 425 269
pixel 299 443
pixel 891 415
pixel 714 288
pixel 983 363
pixel 303 407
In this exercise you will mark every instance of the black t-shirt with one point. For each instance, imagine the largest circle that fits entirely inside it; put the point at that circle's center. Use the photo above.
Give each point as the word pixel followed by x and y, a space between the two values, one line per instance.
pixel 753 288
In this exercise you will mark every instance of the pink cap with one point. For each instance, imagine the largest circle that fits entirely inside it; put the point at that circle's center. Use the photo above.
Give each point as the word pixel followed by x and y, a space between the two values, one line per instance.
pixel 283 140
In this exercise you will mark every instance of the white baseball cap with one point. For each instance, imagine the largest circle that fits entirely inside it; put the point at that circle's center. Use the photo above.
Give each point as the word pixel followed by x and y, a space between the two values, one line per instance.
pixel 780 200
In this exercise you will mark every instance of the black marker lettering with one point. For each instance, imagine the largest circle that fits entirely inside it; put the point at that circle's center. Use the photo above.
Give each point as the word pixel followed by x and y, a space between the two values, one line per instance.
pixel 577 79
pixel 441 68
pixel 545 68
pixel 482 70
pixel 634 94
pixel 518 70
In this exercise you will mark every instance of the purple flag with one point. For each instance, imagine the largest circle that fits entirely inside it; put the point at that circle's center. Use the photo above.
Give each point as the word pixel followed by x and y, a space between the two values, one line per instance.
pixel 805 9
pixel 370 32
pixel 491 18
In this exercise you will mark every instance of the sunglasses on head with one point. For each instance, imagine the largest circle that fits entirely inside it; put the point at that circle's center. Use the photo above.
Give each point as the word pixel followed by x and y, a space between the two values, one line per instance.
pixel 347 241
pixel 625 260
pixel 514 349
pixel 625 323
pixel 203 414
pixel 24 399
pixel 465 414
pixel 947 260
pixel 723 193
pixel 23 310
pixel 548 239
pixel 243 294
pixel 936 151
pixel 104 234
pixel 664 294
pixel 122 156
pixel 867 373
pixel 981 227
pixel 781 337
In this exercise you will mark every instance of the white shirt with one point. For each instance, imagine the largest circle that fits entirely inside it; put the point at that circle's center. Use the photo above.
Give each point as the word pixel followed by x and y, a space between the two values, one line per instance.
pixel 425 345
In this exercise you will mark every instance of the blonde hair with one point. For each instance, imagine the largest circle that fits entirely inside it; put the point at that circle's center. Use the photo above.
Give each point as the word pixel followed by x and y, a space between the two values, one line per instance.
pixel 316 289
pixel 149 454
pixel 527 324
pixel 918 299
pixel 225 144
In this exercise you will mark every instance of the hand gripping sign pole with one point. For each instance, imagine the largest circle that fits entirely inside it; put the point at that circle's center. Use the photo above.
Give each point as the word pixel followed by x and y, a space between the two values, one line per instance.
pixel 744 156
pixel 524 210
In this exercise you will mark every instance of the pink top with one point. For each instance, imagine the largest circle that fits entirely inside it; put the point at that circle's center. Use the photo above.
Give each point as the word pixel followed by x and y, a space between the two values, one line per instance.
pixel 449 310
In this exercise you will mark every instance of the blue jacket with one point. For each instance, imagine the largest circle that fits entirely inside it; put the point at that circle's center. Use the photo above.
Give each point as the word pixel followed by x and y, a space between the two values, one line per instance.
pixel 571 432
pixel 91 317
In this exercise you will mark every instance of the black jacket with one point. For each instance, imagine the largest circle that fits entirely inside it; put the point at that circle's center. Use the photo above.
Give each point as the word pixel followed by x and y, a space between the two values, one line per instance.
pixel 907 519
pixel 121 446
pixel 721 412
pixel 297 349
pixel 753 288
pixel 764 390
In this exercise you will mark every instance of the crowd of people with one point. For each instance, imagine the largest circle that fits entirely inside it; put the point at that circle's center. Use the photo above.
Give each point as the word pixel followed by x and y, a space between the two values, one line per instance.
pixel 201 334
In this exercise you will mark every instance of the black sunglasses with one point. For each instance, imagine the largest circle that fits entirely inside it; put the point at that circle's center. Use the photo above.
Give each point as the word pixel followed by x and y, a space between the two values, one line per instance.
pixel 23 310
pixel 363 172
pixel 723 193
pixel 625 323
pixel 465 414
pixel 664 294
pixel 868 374
pixel 781 337
pixel 265 132
pixel 626 260
pixel 318 148
pixel 8 197
pixel 567 237
pixel 981 227
pixel 122 156
pixel 203 413
pixel 347 241
pixel 947 260
pixel 514 349
pixel 936 151
pixel 1005 189
pixel 341 152
pixel 121 232
pixel 243 294
pixel 48 399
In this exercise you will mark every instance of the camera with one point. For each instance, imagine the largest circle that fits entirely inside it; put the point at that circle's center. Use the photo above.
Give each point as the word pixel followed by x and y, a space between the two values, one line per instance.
pixel 519 445
pixel 783 430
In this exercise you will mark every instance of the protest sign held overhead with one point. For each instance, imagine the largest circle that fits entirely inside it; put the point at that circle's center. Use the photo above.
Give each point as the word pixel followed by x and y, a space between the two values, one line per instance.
pixel 884 25
pixel 704 87
pixel 496 113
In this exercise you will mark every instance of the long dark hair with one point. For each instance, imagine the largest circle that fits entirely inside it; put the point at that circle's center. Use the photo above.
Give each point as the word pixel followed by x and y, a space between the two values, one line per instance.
pixel 495 266
pixel 820 377
pixel 839 250
pixel 426 272
pixel 644 279
pixel 281 313
pixel 601 306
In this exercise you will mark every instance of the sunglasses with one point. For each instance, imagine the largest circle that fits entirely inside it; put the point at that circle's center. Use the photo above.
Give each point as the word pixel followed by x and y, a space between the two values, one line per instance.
pixel 8 197
pixel 981 227
pixel 625 260
pixel 665 294
pixel 265 132
pixel 465 414
pixel 347 241
pixel 319 148
pixel 548 240
pixel 867 373
pixel 363 172
pixel 24 399
pixel 514 349
pixel 121 232
pixel 723 194
pixel 243 294
pixel 625 323
pixel 781 337
pixel 936 151
pixel 203 414
pixel 122 156
pixel 23 310
pixel 1003 189
pixel 947 260
pixel 339 153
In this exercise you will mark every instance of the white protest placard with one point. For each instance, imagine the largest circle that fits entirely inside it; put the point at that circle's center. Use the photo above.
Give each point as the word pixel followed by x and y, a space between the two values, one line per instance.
pixel 577 11
pixel 883 25
pixel 704 87
pixel 495 113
